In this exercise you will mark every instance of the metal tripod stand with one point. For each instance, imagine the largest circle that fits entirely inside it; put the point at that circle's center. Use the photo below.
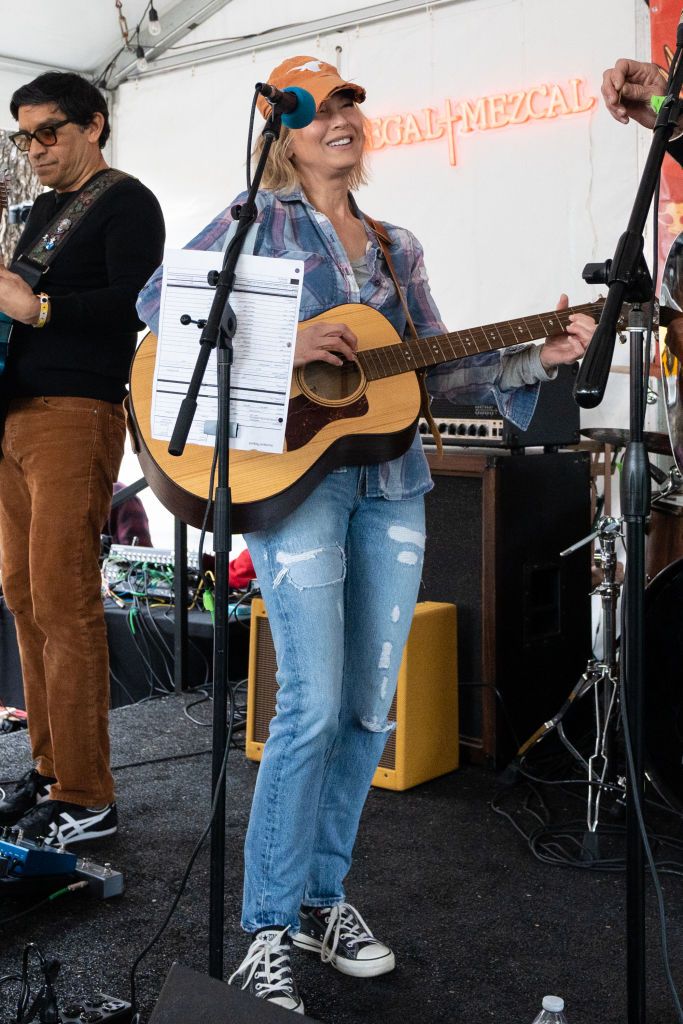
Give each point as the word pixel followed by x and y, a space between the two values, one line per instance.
pixel 601 677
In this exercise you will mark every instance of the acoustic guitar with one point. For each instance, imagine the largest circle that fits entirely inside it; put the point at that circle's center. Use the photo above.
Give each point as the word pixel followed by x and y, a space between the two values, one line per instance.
pixel 356 414
pixel 5 321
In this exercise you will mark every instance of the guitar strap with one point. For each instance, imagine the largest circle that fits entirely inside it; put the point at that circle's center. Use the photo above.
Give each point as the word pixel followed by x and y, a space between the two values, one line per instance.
pixel 425 408
pixel 32 265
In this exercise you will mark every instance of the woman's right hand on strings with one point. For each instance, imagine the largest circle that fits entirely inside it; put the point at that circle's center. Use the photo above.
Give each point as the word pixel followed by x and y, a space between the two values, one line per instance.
pixel 325 342
pixel 628 87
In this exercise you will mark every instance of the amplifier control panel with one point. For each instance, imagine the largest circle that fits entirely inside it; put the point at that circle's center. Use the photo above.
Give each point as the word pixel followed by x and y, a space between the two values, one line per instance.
pixel 456 430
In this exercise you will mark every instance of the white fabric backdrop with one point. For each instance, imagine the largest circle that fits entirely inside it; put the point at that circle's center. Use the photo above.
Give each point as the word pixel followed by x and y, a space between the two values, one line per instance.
pixel 506 229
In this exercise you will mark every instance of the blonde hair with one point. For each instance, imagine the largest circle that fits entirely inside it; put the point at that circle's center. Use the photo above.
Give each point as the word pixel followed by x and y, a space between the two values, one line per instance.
pixel 281 175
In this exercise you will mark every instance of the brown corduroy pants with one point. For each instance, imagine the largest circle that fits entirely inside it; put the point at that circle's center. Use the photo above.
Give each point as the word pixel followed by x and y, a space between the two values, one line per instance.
pixel 60 459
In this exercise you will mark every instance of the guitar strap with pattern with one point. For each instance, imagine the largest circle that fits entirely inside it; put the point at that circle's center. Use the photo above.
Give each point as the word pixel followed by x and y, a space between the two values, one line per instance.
pixel 32 265
pixel 425 409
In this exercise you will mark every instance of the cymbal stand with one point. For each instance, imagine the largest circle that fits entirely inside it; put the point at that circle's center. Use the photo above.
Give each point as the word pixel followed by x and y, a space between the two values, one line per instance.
pixel 601 677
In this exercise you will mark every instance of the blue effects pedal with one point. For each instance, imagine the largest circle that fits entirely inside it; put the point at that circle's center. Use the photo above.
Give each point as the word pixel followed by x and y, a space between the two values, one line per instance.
pixel 23 859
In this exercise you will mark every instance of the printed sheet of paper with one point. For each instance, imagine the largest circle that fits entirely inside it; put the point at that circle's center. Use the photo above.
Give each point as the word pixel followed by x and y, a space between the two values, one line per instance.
pixel 266 301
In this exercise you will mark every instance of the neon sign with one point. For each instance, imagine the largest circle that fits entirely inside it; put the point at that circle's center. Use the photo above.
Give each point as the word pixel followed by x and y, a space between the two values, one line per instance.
pixel 539 103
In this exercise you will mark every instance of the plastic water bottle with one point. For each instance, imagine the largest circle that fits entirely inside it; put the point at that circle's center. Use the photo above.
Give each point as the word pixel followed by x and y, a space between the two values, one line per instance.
pixel 552 1012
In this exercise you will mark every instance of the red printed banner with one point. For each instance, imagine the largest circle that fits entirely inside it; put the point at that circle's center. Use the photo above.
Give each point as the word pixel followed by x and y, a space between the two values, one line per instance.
pixel 664 17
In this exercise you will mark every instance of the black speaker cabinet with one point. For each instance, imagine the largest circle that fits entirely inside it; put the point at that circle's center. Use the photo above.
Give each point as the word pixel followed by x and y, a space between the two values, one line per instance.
pixel 188 997
pixel 496 524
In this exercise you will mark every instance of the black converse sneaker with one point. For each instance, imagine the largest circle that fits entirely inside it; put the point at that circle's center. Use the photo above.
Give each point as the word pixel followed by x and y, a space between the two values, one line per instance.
pixel 61 824
pixel 342 938
pixel 266 971
pixel 29 791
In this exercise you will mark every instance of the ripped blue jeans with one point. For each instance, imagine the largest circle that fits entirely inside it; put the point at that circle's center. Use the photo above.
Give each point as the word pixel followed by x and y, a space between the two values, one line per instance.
pixel 339 577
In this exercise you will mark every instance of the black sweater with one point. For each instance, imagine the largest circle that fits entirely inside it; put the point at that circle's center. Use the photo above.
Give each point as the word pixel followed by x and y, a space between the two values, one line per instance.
pixel 86 348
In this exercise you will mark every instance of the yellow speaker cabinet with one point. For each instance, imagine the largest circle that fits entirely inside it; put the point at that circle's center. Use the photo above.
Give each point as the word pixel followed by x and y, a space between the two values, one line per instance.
pixel 425 741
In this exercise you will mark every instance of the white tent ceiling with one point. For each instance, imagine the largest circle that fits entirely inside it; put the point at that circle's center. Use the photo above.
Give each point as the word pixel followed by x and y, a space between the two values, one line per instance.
pixel 84 35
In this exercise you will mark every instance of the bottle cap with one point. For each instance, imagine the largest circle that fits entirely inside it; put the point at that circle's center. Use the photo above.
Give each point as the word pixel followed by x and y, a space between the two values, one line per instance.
pixel 553 1003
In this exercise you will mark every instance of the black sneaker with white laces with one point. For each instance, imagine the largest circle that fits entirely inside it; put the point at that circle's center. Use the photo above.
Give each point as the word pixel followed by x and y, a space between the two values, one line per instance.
pixel 266 971
pixel 342 938
pixel 61 823
pixel 27 792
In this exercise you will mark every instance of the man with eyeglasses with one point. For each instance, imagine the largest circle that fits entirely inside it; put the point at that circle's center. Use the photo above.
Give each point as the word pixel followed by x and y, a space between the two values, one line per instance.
pixel 73 337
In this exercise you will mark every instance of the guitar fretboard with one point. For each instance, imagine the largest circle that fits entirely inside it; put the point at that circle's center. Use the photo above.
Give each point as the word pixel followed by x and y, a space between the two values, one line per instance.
pixel 442 348
pixel 4 189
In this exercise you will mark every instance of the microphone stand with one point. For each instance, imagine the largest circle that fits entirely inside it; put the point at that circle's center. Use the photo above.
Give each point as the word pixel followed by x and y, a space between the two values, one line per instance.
pixel 218 332
pixel 628 279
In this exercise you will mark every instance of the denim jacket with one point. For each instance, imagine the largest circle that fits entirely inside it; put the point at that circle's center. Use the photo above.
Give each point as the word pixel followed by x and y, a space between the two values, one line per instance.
pixel 288 225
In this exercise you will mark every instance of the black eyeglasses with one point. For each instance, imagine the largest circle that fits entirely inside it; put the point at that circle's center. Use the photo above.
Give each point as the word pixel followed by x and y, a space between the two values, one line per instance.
pixel 46 136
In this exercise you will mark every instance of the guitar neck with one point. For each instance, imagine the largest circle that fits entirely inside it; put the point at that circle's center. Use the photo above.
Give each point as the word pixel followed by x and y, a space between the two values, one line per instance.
pixel 442 348
pixel 4 189
pixel 4 205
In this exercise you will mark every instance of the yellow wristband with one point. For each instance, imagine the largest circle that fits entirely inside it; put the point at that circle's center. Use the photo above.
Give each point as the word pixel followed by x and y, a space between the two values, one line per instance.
pixel 44 310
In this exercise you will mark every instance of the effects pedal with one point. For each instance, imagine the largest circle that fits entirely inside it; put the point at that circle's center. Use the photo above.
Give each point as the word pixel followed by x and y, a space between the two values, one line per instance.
pixel 99 1009
pixel 19 857
pixel 22 860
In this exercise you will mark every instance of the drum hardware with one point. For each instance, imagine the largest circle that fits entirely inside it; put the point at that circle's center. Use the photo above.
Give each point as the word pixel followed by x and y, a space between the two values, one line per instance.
pixel 601 677
pixel 655 441
pixel 671 484
pixel 664 708
pixel 665 525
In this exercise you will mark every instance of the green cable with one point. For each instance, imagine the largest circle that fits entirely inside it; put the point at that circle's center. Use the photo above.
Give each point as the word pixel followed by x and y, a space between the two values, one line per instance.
pixel 209 606
pixel 60 892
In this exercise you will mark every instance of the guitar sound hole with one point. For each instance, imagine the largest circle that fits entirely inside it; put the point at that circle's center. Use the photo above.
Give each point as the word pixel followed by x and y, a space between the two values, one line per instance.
pixel 332 383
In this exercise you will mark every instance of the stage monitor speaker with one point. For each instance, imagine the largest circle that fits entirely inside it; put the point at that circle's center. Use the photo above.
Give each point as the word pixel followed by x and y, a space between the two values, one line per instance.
pixel 424 743
pixel 496 524
pixel 188 997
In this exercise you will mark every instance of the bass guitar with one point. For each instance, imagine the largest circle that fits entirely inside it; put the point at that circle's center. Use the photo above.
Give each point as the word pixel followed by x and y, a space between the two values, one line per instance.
pixel 355 414
pixel 5 321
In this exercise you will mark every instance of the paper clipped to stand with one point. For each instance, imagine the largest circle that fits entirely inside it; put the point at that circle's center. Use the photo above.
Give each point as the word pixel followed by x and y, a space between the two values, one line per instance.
pixel 265 300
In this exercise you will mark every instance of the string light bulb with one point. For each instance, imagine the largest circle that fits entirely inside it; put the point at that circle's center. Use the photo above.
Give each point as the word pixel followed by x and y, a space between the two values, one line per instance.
pixel 154 23
pixel 141 61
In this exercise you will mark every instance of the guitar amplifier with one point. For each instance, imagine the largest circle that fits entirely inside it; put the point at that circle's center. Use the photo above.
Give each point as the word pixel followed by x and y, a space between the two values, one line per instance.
pixel 555 423
pixel 425 741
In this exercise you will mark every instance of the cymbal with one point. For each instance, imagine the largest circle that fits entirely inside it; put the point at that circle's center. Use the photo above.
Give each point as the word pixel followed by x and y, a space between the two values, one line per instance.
pixel 655 441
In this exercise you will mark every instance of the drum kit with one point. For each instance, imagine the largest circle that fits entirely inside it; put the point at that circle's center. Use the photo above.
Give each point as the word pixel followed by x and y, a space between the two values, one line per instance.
pixel 663 724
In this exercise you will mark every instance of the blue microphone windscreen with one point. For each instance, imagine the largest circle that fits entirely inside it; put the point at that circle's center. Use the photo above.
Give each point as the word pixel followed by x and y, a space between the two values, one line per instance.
pixel 305 110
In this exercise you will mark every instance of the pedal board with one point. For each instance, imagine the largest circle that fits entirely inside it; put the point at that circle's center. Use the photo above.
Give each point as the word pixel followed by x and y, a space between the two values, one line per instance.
pixel 133 554
pixel 23 860
pixel 100 1009
pixel 132 570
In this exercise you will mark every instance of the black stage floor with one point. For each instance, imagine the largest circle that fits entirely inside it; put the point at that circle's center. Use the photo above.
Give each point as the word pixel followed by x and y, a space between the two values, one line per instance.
pixel 481 929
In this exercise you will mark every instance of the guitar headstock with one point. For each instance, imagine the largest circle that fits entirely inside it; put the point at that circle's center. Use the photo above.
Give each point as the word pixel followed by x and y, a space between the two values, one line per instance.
pixel 622 321
pixel 626 307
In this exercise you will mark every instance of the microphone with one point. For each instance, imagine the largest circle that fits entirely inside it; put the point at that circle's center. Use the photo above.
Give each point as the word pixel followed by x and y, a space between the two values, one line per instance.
pixel 296 105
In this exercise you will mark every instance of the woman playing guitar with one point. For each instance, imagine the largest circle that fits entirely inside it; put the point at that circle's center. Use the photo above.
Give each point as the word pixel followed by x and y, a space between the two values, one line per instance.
pixel 340 573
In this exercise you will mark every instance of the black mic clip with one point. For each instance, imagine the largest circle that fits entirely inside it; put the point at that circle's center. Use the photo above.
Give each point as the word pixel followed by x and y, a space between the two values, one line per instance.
pixel 187 319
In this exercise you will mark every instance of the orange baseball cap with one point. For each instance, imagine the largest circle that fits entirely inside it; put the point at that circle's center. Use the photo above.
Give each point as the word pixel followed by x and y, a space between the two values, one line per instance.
pixel 317 77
